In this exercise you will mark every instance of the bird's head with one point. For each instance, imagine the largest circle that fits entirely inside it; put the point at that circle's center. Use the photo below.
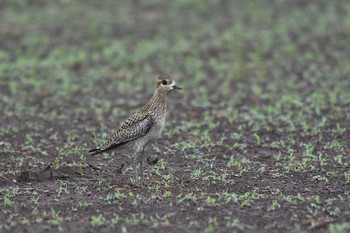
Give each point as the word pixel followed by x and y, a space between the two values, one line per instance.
pixel 166 84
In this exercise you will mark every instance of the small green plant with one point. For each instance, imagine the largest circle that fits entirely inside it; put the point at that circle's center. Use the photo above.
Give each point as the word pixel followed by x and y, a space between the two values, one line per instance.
pixel 339 227
pixel 98 220
pixel 62 189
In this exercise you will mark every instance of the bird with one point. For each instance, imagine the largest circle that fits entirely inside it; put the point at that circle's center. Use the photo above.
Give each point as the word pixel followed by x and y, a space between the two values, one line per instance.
pixel 143 127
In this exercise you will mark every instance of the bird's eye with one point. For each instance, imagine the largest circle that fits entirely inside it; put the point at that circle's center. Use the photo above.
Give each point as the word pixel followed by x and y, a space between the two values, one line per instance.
pixel 164 82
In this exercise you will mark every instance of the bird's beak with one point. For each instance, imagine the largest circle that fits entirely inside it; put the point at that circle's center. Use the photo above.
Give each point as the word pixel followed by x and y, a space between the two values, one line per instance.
pixel 177 87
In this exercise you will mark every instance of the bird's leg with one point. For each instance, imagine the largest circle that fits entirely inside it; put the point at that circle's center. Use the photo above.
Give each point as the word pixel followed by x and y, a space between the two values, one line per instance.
pixel 136 161
pixel 141 166
pixel 136 175
pixel 141 172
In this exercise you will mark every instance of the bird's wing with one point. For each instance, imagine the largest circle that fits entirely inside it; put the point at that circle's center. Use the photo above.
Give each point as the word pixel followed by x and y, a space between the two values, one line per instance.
pixel 136 126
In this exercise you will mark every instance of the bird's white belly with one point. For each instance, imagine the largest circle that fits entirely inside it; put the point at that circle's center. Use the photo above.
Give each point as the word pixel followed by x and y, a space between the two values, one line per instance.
pixel 154 133
pixel 157 129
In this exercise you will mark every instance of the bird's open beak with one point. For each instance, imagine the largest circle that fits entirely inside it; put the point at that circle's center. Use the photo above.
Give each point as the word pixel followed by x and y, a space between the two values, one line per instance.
pixel 177 87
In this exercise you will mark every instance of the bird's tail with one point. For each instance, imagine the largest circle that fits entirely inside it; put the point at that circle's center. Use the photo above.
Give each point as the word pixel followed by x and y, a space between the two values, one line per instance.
pixel 101 149
pixel 95 151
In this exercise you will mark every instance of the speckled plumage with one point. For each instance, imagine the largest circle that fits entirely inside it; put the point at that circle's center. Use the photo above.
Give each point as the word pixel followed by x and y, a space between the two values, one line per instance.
pixel 144 126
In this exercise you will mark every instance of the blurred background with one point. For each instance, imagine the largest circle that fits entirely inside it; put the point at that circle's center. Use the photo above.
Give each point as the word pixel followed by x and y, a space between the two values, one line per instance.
pixel 268 64
pixel 62 49
pixel 263 118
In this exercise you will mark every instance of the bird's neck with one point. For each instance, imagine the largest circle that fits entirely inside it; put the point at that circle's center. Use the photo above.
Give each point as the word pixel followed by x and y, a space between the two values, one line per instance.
pixel 160 97
pixel 158 100
pixel 159 94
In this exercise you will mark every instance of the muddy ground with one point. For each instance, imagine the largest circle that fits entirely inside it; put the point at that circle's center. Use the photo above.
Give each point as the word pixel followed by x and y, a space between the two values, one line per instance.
pixel 258 140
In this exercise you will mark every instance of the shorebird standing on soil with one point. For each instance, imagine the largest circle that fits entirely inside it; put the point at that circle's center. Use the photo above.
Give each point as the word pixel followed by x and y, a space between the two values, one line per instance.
pixel 143 127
